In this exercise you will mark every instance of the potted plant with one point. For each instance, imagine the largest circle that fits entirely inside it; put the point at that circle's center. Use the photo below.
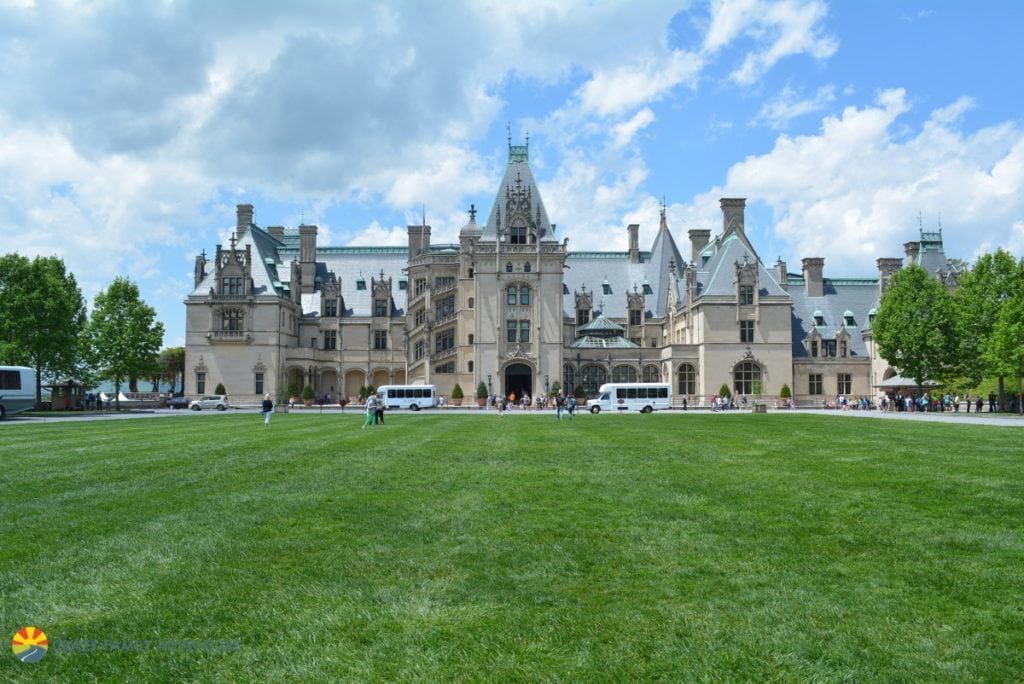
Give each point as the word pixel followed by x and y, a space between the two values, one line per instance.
pixel 723 391
pixel 308 395
pixel 293 393
pixel 580 394
pixel 481 394
pixel 785 392
pixel 457 395
pixel 363 393
pixel 219 389
pixel 556 387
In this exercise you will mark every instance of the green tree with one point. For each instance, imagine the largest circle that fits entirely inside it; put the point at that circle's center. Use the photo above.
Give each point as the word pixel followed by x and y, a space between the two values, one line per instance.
pixel 556 387
pixel 42 317
pixel 785 392
pixel 914 327
pixel 457 392
pixel 481 390
pixel 979 298
pixel 172 365
pixel 1004 351
pixel 220 389
pixel 124 335
pixel 723 391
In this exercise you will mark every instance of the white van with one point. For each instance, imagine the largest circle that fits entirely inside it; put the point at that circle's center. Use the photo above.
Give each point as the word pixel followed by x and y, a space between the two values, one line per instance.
pixel 17 390
pixel 412 397
pixel 632 396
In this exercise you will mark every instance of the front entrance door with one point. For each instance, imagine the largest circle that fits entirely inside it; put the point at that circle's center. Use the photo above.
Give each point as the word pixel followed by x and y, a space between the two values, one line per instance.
pixel 518 379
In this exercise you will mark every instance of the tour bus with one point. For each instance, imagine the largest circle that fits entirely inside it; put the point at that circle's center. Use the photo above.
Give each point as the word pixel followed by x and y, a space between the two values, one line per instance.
pixel 412 397
pixel 17 389
pixel 632 396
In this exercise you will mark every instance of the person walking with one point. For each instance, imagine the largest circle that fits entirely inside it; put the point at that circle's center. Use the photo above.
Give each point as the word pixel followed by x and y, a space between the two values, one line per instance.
pixel 500 405
pixel 559 404
pixel 378 413
pixel 371 410
pixel 266 410
pixel 572 406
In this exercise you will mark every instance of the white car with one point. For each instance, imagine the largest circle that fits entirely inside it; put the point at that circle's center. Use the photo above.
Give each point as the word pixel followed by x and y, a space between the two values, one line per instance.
pixel 212 401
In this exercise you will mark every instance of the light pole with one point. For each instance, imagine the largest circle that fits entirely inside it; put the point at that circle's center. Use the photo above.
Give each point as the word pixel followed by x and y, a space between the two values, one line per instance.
pixel 547 389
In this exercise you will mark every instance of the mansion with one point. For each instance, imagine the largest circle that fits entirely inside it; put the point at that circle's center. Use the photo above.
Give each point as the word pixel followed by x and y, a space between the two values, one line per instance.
pixel 511 306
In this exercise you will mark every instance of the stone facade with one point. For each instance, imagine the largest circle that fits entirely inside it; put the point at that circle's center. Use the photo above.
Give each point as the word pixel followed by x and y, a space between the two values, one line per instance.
pixel 510 306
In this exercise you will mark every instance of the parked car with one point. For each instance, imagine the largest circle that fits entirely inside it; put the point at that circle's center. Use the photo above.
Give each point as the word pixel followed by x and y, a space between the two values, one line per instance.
pixel 212 401
pixel 179 402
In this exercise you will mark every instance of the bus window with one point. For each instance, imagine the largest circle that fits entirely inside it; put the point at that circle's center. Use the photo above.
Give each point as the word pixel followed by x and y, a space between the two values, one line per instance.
pixel 620 393
pixel 607 396
pixel 631 392
pixel 663 392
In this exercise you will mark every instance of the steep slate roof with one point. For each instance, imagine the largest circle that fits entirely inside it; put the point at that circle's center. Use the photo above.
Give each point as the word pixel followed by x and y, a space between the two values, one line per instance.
pixel 265 259
pixel 350 264
pixel 518 176
pixel 717 276
pixel 858 296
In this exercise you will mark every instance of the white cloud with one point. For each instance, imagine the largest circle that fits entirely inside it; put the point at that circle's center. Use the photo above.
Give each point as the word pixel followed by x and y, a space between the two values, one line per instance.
pixel 850 193
pixel 788 105
pixel 623 132
pixel 376 234
pixel 778 29
pixel 613 91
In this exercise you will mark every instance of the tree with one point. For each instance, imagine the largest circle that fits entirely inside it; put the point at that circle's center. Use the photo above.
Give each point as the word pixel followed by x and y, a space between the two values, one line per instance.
pixel 915 326
pixel 220 389
pixel 980 296
pixel 1004 351
pixel 785 392
pixel 723 391
pixel 556 387
pixel 124 335
pixel 42 316
pixel 481 390
pixel 172 362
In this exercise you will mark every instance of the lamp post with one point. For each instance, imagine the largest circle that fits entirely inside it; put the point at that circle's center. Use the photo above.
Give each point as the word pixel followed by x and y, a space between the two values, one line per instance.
pixel 547 389
pixel 489 384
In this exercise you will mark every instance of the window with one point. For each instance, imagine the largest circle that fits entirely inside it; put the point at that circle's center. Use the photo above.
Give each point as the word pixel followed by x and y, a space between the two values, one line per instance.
pixel 200 383
pixel 444 340
pixel 380 339
pixel 526 267
pixel 360 284
pixel 445 367
pixel 843 348
pixel 746 331
pixel 651 374
pixel 470 271
pixel 512 295
pixel 380 307
pixel 403 284
pixel 330 339
pixel 524 295
pixel 470 303
pixel 592 377
pixel 819 319
pixel 623 373
pixel 517 235
pixel 312 343
pixel 814 348
pixel 445 308
pixel 745 376
pixel 419 349
pixel 470 366
pixel 258 384
pixel 634 316
pixel 10 380
pixel 814 384
pixel 654 342
pixel 508 267
pixel 331 308
pixel 470 338
pixel 848 318
pixel 231 285
pixel 844 383
pixel 442 282
pixel 419 316
pixel 606 288
pixel 420 286
pixel 647 289
pixel 582 316
pixel 746 294
pixel 635 340
pixel 510 331
pixel 569 378
pixel 524 331
pixel 687 379
pixel 828 348
pixel 231 319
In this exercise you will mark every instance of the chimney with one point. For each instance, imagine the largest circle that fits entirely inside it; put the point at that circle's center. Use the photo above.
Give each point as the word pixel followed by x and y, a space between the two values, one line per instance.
pixel 912 249
pixel 419 240
pixel 732 214
pixel 634 243
pixel 307 257
pixel 813 281
pixel 276 232
pixel 244 220
pixel 295 284
pixel 699 239
pixel 887 266
pixel 200 268
pixel 780 273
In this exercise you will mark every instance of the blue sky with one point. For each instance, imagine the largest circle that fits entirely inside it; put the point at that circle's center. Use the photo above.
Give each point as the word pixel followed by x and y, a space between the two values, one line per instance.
pixel 129 131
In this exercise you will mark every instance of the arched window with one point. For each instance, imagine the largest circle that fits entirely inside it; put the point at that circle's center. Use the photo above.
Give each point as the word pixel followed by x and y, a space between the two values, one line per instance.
pixel 470 302
pixel 623 373
pixel 592 377
pixel 512 295
pixel 687 379
pixel 568 379
pixel 745 376
pixel 524 295
pixel 526 267
pixel 508 267
pixel 651 373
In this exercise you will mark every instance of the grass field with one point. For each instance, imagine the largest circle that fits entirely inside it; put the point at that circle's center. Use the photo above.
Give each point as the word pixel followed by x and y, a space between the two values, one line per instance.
pixel 715 547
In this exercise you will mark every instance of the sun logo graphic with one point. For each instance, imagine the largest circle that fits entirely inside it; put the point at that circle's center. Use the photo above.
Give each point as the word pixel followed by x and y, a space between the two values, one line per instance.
pixel 29 644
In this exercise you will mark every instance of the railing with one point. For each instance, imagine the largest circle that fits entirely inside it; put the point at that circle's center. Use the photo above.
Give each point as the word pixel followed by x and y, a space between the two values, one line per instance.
pixel 229 297
pixel 445 353
pixel 445 318
pixel 447 287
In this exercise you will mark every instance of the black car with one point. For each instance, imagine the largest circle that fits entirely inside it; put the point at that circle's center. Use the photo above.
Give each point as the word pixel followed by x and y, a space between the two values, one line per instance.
pixel 178 402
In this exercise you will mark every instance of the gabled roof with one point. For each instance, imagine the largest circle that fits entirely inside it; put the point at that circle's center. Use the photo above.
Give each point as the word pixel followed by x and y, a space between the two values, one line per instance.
pixel 858 296
pixel 518 179
pixel 718 275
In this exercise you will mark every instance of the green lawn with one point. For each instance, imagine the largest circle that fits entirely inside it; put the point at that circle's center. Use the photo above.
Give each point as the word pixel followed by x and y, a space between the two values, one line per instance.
pixel 697 547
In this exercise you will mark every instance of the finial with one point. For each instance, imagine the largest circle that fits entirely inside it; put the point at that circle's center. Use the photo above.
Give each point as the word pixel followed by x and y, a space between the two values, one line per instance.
pixel 508 129
pixel 940 223
pixel 472 213
pixel 232 241
pixel 920 222
pixel 382 274
pixel 203 254
pixel 423 215
pixel 527 138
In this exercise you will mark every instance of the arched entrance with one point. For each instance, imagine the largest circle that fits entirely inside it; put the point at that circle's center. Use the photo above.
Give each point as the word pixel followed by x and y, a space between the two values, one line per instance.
pixel 518 379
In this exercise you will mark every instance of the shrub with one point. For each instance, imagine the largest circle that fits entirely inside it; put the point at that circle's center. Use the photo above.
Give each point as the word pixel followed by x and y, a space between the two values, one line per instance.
pixel 579 393
pixel 457 391
pixel 307 393
pixel 785 392
pixel 757 387
pixel 481 391
pixel 293 390
pixel 556 387
pixel 220 389
pixel 363 393
pixel 723 391
pixel 370 389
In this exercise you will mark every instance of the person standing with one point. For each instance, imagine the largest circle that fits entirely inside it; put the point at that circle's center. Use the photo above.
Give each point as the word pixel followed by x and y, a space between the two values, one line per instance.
pixel 266 410
pixel 559 404
pixel 572 405
pixel 371 410
pixel 378 412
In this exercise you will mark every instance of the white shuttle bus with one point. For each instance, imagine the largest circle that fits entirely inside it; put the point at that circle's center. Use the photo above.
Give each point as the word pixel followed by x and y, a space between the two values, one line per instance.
pixel 412 397
pixel 17 390
pixel 632 396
